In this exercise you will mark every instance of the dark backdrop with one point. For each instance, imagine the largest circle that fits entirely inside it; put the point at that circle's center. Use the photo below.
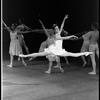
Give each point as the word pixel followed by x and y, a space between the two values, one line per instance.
pixel 81 14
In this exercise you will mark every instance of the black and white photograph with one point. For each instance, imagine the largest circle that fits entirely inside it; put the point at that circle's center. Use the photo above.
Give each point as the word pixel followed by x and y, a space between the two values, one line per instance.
pixel 49 49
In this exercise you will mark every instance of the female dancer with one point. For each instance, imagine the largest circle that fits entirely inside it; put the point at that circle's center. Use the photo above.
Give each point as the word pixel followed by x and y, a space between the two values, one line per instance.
pixel 85 47
pixel 46 44
pixel 15 48
pixel 56 48
pixel 49 34
pixel 22 27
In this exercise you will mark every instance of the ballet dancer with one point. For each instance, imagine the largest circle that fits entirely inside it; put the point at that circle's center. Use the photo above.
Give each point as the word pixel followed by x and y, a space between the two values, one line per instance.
pixel 46 44
pixel 15 47
pixel 85 46
pixel 22 27
pixel 93 37
pixel 56 48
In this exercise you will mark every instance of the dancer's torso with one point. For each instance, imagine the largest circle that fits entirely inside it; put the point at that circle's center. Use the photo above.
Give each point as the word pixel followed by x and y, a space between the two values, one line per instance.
pixel 94 37
pixel 91 37
pixel 13 35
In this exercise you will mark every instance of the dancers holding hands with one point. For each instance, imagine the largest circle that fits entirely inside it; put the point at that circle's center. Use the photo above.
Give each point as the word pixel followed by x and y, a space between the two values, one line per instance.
pixel 56 48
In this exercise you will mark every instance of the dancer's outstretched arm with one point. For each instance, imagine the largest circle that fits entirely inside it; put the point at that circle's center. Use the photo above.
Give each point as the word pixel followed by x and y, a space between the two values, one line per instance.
pixel 82 37
pixel 22 32
pixel 62 25
pixel 6 27
pixel 46 32
pixel 38 30
pixel 67 37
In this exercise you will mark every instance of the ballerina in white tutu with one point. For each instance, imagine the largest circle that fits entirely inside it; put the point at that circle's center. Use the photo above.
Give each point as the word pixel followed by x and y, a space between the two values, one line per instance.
pixel 56 48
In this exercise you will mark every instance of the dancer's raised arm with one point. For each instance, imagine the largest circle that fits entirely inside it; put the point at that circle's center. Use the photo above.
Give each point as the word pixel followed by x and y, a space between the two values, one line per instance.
pixel 6 26
pixel 46 32
pixel 62 25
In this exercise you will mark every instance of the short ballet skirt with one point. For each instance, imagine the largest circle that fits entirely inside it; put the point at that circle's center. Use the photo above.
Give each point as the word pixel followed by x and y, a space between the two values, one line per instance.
pixel 15 48
pixel 54 50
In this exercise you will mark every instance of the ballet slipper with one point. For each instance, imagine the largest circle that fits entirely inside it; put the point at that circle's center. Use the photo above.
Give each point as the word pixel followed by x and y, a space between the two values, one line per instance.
pixel 92 73
pixel 47 72
pixel 9 65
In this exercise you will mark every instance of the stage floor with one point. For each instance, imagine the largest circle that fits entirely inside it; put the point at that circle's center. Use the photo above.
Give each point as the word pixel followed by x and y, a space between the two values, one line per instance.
pixel 31 83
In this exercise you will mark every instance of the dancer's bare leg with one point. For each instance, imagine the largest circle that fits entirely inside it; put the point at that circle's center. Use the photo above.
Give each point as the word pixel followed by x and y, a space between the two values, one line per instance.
pixel 51 59
pixel 27 50
pixel 50 66
pixel 97 53
pixel 59 65
pixel 23 62
pixel 66 60
pixel 65 54
pixel 84 61
pixel 11 61
pixel 77 54
pixel 93 64
pixel 34 54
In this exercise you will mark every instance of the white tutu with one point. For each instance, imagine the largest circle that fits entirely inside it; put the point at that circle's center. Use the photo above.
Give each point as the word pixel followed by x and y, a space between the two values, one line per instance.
pixel 56 48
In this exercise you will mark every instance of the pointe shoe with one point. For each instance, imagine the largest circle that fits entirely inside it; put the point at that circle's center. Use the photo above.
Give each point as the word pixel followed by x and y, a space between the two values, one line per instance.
pixel 9 66
pixel 92 73
pixel 47 72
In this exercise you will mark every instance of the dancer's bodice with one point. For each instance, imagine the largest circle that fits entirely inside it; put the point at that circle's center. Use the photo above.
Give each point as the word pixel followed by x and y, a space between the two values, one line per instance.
pixel 58 44
pixel 13 35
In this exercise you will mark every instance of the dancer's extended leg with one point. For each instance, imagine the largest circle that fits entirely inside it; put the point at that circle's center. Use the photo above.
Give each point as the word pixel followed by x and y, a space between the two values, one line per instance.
pixel 76 54
pixel 34 54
